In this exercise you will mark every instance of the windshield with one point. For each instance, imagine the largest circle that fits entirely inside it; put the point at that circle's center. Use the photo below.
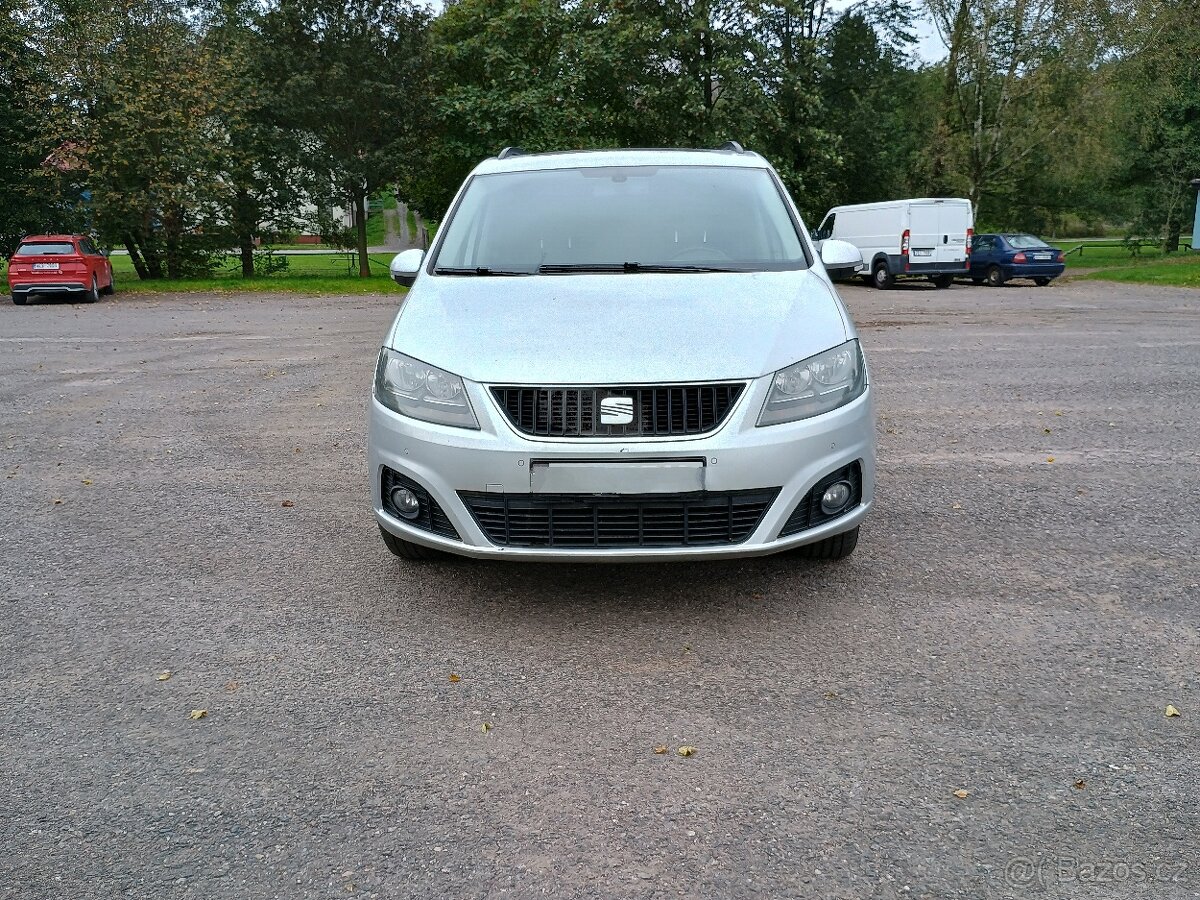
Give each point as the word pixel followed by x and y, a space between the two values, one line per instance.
pixel 621 218
pixel 45 249
pixel 1024 241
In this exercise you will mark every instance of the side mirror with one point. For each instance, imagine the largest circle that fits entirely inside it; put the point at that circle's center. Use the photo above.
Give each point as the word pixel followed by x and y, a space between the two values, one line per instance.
pixel 841 258
pixel 405 266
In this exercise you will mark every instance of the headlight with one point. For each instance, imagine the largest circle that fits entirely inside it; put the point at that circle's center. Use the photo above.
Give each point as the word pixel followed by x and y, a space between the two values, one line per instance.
pixel 815 385
pixel 413 388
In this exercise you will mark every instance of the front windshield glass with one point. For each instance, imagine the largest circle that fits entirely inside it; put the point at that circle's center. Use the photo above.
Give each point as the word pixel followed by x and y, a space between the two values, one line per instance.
pixel 1024 241
pixel 621 218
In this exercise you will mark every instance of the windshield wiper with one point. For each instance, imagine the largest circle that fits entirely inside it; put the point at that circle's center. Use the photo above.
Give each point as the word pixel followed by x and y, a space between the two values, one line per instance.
pixel 627 268
pixel 479 271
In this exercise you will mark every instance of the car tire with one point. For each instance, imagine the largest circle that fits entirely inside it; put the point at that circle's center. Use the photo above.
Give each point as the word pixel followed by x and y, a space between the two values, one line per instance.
pixel 994 277
pixel 19 299
pixel 942 281
pixel 406 549
pixel 1041 282
pixel 882 277
pixel 832 548
pixel 94 294
pixel 111 288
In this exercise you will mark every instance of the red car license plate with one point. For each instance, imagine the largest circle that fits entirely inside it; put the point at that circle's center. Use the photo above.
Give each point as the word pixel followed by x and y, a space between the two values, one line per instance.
pixel 45 267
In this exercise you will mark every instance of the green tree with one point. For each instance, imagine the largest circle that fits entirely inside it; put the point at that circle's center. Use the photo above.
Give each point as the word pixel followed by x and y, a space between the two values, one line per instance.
pixel 348 77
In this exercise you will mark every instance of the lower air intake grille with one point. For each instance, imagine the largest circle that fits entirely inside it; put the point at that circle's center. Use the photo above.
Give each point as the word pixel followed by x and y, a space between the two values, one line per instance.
pixel 567 521
pixel 808 512
pixel 431 516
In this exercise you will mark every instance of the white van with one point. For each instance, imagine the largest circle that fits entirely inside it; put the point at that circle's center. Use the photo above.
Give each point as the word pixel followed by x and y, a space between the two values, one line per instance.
pixel 928 237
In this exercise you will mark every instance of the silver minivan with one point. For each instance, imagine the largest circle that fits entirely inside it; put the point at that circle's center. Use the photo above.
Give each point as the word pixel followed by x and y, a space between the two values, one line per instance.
pixel 622 355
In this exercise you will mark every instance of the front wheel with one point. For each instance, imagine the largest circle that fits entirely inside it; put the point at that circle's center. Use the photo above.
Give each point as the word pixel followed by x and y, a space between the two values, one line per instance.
pixel 942 281
pixel 832 548
pixel 94 294
pixel 1041 282
pixel 882 277
pixel 406 549
pixel 995 278
pixel 112 286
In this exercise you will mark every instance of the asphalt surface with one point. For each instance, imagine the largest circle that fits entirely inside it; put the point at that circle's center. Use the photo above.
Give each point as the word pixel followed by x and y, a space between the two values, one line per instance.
pixel 1021 610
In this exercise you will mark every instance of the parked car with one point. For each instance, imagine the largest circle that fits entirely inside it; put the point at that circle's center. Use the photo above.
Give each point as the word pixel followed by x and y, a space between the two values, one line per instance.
pixel 622 355
pixel 59 264
pixel 925 238
pixel 997 258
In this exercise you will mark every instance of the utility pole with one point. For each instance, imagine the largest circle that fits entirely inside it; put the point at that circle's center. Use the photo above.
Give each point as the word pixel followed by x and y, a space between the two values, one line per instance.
pixel 1196 225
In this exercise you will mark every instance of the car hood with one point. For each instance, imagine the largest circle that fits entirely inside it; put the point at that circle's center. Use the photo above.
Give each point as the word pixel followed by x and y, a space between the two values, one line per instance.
pixel 613 329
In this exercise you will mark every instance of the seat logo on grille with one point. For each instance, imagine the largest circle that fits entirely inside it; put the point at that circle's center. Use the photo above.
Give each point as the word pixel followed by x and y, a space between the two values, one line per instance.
pixel 616 411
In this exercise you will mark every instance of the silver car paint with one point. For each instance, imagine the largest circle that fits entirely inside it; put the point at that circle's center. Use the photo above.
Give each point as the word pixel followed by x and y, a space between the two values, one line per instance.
pixel 622 329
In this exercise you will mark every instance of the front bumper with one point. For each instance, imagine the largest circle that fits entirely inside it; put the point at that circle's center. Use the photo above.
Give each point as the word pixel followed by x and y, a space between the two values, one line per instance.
pixel 738 456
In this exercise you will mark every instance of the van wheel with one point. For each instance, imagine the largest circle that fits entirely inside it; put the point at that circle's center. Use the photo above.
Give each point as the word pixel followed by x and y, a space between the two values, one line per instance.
pixel 406 549
pixel 832 548
pixel 942 281
pixel 881 277
pixel 1041 282
pixel 995 278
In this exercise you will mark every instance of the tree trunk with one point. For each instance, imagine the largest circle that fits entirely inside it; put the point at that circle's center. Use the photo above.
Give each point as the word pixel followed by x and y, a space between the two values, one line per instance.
pixel 1174 229
pixel 246 243
pixel 244 223
pixel 172 225
pixel 135 256
pixel 360 224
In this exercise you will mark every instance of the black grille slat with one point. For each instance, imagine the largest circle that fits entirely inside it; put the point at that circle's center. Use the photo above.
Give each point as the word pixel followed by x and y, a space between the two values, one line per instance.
pixel 699 519
pixel 658 411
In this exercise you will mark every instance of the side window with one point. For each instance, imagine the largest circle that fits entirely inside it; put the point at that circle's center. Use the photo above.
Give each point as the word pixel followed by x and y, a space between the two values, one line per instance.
pixel 86 248
pixel 825 232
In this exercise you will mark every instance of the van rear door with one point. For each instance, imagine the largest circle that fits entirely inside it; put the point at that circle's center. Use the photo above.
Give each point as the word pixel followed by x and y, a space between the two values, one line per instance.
pixel 953 221
pixel 925 232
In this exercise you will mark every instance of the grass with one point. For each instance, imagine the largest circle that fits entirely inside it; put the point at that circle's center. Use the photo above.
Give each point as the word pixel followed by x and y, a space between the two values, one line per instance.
pixel 1179 270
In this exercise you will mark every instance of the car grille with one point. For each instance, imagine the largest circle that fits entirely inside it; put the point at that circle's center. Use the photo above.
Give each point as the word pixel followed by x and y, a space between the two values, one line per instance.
pixel 431 517
pixel 808 513
pixel 658 411
pixel 567 521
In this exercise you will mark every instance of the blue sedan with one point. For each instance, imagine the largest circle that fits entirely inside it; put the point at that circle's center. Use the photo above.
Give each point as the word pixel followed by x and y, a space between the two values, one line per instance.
pixel 997 258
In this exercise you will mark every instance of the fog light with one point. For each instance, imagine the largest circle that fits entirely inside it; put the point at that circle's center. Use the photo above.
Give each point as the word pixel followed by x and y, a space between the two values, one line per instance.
pixel 406 502
pixel 835 498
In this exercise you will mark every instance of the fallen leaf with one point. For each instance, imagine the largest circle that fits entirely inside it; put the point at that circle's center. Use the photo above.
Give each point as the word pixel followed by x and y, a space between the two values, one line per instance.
pixel 454 679
pixel 1045 431
pixel 1049 459
pixel 1058 412
pixel 1080 784
pixel 231 687
pixel 164 676
pixel 57 501
pixel 660 749
pixel 1172 712
pixel 197 714
pixel 485 727
pixel 961 794
pixel 686 751
pixel 957 506
pixel 287 504
pixel 87 481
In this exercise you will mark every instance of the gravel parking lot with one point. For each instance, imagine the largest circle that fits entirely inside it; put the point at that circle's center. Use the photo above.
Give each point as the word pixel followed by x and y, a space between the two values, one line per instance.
pixel 182 489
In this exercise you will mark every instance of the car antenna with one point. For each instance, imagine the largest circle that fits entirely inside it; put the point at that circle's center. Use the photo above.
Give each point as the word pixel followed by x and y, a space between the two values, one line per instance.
pixel 732 147
pixel 510 151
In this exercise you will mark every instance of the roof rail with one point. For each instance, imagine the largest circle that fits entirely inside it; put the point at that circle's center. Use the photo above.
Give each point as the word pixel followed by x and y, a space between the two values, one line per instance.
pixel 510 151
pixel 732 147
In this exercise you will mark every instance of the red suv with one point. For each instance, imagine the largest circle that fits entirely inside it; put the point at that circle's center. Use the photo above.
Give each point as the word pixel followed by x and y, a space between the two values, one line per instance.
pixel 59 264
